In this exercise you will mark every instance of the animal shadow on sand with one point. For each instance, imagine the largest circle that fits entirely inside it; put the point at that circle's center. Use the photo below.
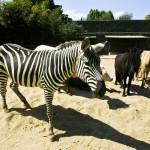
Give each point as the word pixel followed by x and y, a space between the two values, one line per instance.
pixel 83 93
pixel 87 93
pixel 78 124
pixel 115 103
pixel 137 90
pixel 110 90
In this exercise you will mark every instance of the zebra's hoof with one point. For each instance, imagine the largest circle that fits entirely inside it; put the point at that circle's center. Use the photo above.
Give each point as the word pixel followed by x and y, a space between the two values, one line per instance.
pixel 52 138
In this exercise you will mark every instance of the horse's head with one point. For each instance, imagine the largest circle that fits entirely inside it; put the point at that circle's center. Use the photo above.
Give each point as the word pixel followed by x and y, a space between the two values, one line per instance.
pixel 134 60
pixel 100 47
pixel 88 68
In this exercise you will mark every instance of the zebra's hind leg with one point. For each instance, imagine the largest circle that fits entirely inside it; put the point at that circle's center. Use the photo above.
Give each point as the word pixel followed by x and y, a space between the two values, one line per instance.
pixel 3 94
pixel 14 87
pixel 3 84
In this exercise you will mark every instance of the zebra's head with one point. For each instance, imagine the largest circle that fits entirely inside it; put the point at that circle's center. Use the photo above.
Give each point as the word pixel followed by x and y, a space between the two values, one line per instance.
pixel 88 68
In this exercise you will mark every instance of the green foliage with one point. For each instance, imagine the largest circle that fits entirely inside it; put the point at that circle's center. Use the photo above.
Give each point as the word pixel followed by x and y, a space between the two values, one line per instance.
pixel 147 17
pixel 110 16
pixel 72 29
pixel 17 11
pixel 94 14
pixel 126 16
pixel 50 3
pixel 56 20
pixel 31 21
pixel 2 22
pixel 15 16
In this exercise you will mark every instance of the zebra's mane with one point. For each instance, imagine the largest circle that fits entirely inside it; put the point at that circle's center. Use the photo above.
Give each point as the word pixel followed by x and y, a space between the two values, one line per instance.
pixel 68 44
pixel 19 46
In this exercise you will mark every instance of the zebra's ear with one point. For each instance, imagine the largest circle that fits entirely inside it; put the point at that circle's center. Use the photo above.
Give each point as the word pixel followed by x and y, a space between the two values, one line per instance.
pixel 85 44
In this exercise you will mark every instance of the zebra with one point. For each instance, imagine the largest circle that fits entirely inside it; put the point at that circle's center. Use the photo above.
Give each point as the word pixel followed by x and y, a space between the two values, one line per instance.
pixel 49 69
pixel 96 47
pixel 99 48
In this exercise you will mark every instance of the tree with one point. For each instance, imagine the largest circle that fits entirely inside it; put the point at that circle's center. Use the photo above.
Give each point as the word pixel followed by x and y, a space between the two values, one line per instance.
pixel 31 21
pixel 110 15
pixel 147 17
pixel 94 14
pixel 15 16
pixel 126 16
pixel 72 29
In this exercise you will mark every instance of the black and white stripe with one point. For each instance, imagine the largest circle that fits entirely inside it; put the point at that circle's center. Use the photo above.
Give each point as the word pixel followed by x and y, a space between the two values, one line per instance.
pixel 49 69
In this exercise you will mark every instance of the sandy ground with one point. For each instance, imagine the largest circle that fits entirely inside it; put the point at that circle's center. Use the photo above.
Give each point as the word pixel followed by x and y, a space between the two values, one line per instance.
pixel 81 122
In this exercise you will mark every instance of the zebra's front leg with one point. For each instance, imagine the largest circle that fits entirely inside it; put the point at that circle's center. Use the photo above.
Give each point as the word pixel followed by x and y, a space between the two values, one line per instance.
pixel 14 87
pixel 49 107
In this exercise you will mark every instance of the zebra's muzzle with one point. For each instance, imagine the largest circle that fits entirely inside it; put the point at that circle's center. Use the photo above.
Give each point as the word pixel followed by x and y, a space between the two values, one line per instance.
pixel 101 89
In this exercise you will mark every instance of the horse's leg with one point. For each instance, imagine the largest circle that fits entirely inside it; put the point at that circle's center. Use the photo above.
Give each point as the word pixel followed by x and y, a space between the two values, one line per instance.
pixel 48 98
pixel 137 75
pixel 145 77
pixel 117 77
pixel 59 89
pixel 143 82
pixel 3 85
pixel 68 87
pixel 121 81
pixel 14 87
pixel 129 85
pixel 124 86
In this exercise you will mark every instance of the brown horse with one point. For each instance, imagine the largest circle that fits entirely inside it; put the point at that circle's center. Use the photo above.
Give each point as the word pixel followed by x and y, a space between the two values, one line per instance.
pixel 144 67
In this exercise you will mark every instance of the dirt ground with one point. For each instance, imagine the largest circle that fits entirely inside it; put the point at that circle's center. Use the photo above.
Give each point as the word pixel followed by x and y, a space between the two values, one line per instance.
pixel 81 122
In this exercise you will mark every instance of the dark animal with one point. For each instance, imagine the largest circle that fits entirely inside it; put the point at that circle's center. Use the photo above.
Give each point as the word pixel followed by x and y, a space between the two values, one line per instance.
pixel 126 65
pixel 67 83
pixel 76 82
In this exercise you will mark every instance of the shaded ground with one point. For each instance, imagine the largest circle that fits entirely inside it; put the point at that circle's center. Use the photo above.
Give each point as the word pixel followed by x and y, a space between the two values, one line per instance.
pixel 80 121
